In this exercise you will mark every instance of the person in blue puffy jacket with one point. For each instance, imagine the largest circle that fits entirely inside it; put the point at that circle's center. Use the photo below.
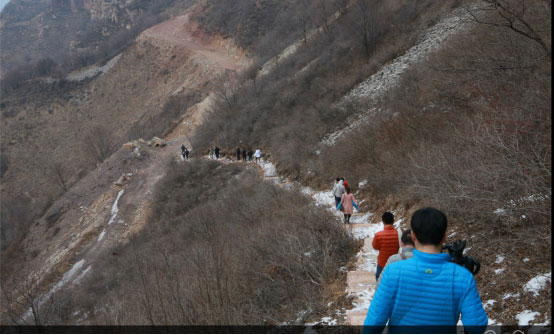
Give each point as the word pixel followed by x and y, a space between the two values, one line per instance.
pixel 427 293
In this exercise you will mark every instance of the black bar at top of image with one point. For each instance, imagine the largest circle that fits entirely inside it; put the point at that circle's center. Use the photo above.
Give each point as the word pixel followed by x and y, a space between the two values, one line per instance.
pixel 320 329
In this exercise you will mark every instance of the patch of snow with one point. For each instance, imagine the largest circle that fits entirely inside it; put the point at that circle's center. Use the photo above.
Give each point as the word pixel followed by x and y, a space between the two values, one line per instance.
pixel 362 183
pixel 78 279
pixel 269 169
pixel 498 271
pixel 324 198
pixel 492 322
pixel 93 70
pixel 466 250
pixel 329 321
pixel 317 152
pixel 511 295
pixel 525 260
pixel 499 211
pixel 452 234
pixel 367 231
pixel 306 190
pixel 525 317
pixel 364 297
pixel 360 219
pixel 389 75
pixel 68 275
pixel 101 236
pixel 115 210
pixel 397 223
pixel 537 284
pixel 524 217
pixel 499 259
pixel 489 304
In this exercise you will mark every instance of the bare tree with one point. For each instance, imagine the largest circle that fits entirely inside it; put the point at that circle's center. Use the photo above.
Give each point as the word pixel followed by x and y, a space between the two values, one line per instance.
pixel 98 143
pixel 366 25
pixel 60 175
pixel 225 88
pixel 518 16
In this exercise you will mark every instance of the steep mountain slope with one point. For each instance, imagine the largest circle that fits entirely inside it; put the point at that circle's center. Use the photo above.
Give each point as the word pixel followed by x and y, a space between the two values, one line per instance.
pixel 55 29
pixel 150 86
pixel 438 109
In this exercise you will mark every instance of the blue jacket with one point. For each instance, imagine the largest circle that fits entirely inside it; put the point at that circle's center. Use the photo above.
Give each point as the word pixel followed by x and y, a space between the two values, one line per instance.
pixel 426 291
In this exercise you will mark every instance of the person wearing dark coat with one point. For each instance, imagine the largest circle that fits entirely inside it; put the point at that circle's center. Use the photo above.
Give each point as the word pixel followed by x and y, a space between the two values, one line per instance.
pixel 244 154
pixel 216 151
pixel 186 153
pixel 238 154
pixel 183 148
pixel 250 154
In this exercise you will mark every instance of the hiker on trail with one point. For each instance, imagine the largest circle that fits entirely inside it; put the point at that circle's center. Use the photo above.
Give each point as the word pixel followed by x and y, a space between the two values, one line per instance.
pixel 407 248
pixel 347 203
pixel 344 182
pixel 258 155
pixel 386 241
pixel 216 152
pixel 244 155
pixel 186 153
pixel 338 191
pixel 426 293
pixel 238 154
pixel 250 154
pixel 183 148
pixel 406 252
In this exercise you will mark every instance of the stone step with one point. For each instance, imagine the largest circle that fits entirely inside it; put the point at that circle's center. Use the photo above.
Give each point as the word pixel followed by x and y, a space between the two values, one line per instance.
pixel 358 281
pixel 355 318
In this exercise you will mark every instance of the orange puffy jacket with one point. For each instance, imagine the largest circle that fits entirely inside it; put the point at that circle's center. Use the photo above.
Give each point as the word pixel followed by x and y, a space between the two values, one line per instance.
pixel 386 241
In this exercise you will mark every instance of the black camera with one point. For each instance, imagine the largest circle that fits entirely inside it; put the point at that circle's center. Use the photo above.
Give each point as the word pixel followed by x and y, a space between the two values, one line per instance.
pixel 456 251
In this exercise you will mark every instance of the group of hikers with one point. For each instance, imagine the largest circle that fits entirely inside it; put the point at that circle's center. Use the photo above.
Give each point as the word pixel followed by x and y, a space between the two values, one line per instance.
pixel 214 152
pixel 344 199
pixel 419 288
pixel 243 154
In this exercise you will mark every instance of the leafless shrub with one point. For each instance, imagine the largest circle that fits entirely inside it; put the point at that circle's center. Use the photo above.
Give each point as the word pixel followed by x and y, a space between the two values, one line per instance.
pixel 23 304
pixel 98 143
pixel 215 258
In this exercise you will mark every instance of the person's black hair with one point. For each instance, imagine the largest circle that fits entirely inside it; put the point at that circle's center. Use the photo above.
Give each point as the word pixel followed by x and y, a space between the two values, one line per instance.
pixel 348 190
pixel 341 178
pixel 429 225
pixel 388 218
pixel 407 237
pixel 338 179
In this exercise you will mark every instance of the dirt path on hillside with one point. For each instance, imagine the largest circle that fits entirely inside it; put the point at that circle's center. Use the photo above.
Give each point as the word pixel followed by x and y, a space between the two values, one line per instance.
pixel 92 224
pixel 182 31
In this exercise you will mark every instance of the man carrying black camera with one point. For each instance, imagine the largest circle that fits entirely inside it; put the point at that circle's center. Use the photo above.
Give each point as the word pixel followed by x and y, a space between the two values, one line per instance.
pixel 429 292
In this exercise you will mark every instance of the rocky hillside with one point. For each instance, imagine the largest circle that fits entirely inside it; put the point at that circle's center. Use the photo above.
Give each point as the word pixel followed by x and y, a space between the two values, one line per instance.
pixel 415 103
pixel 88 115
pixel 56 29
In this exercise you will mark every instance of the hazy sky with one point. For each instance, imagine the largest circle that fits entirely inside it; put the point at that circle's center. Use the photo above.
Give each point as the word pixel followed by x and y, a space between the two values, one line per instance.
pixel 3 3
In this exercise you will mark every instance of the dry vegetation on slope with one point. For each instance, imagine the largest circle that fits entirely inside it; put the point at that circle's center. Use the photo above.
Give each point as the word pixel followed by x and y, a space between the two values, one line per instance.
pixel 222 247
pixel 468 130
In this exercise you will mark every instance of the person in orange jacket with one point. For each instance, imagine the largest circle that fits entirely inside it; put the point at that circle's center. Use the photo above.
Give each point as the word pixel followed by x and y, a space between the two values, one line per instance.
pixel 386 241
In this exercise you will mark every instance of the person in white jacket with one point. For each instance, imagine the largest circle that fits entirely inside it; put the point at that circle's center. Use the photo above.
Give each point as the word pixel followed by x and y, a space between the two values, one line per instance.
pixel 258 155
pixel 338 191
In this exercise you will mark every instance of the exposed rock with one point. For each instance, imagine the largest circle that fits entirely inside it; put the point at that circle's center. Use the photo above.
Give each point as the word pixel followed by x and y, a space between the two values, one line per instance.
pixel 122 180
pixel 156 142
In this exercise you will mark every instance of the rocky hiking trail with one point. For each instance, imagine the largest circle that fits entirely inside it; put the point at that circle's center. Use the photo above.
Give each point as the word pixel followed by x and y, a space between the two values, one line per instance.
pixel 360 281
pixel 113 201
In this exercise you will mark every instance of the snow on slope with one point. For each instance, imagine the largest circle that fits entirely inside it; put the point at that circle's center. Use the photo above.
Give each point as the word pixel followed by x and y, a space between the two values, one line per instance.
pixel 389 75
